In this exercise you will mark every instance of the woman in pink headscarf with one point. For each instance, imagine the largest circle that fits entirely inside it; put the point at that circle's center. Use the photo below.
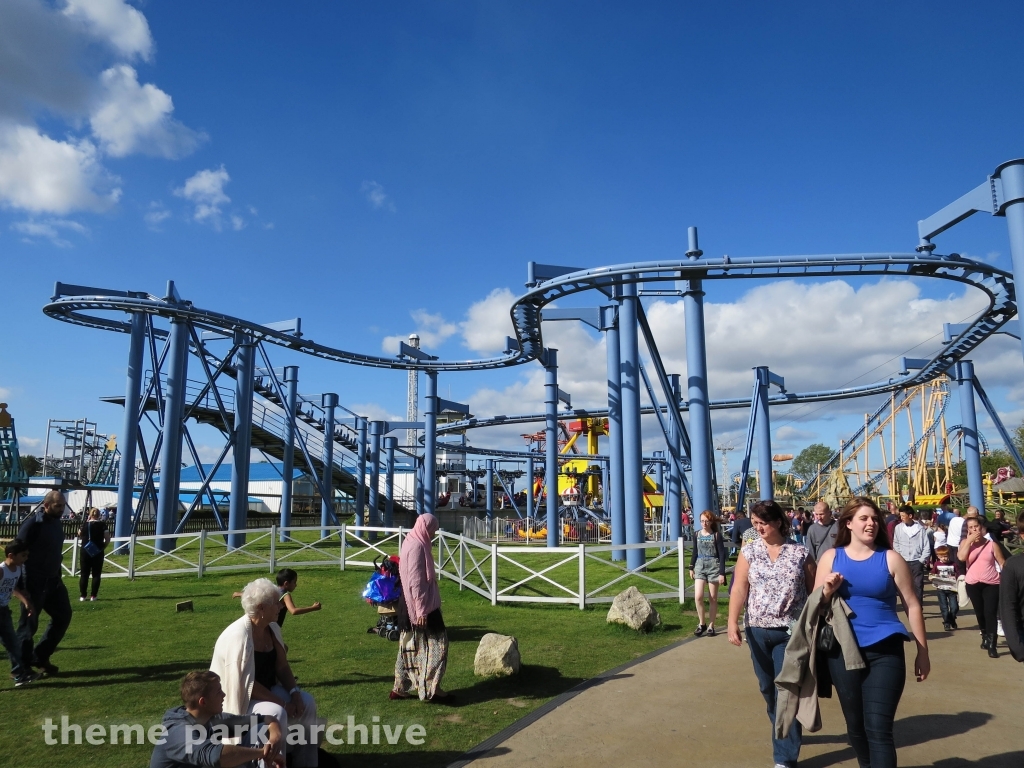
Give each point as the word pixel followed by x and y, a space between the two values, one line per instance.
pixel 423 646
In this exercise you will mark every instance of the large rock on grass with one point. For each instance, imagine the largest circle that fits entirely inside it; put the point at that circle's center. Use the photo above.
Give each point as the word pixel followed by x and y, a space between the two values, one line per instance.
pixel 634 610
pixel 496 656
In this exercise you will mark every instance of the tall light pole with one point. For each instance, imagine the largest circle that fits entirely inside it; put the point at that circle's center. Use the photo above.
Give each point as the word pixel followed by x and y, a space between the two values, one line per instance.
pixel 725 470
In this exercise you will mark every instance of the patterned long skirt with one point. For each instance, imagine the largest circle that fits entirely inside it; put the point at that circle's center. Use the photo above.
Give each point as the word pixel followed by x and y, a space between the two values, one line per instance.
pixel 422 660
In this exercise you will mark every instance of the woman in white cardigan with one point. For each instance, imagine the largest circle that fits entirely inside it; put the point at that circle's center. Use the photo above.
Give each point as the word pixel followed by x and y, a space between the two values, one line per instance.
pixel 252 662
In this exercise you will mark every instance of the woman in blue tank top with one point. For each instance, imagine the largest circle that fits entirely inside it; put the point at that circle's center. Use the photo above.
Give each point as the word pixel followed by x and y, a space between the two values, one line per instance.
pixel 867 574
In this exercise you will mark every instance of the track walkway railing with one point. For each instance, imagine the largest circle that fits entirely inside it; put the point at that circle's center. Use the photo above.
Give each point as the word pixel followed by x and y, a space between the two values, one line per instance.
pixel 581 574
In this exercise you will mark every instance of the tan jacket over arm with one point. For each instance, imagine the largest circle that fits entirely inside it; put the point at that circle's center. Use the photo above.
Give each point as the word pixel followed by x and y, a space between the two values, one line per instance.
pixel 797 683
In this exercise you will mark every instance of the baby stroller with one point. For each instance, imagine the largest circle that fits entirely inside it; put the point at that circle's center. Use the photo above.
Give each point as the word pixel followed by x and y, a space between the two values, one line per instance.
pixel 383 591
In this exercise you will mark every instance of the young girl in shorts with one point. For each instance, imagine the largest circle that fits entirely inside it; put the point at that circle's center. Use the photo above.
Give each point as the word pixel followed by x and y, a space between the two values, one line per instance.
pixel 707 566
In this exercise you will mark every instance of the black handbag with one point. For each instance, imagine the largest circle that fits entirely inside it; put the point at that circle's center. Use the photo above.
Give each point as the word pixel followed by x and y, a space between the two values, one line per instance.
pixel 826 637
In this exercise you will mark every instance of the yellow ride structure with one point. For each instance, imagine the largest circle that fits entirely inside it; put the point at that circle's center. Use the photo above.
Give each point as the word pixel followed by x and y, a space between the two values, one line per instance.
pixel 903 453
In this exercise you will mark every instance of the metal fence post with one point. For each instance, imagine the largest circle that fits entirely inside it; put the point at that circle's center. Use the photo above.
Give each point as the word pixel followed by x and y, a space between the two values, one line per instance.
pixel 462 561
pixel 74 557
pixel 201 567
pixel 343 537
pixel 583 576
pixel 440 554
pixel 494 573
pixel 273 548
pixel 131 557
pixel 682 570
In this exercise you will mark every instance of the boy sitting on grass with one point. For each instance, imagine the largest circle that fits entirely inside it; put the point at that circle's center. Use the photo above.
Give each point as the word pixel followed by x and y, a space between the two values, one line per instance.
pixel 15 555
pixel 287 580
pixel 194 733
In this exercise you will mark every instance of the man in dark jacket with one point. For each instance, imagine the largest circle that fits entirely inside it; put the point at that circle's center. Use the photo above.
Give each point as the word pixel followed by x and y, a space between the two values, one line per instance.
pixel 44 534
pixel 1011 599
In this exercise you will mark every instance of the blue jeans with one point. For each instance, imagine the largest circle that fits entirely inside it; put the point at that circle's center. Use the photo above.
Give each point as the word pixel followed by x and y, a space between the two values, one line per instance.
pixel 869 698
pixel 11 643
pixel 767 650
pixel 948 605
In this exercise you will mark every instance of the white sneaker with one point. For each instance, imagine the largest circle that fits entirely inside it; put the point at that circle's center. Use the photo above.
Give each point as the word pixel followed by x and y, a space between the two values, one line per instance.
pixel 999 628
pixel 81 599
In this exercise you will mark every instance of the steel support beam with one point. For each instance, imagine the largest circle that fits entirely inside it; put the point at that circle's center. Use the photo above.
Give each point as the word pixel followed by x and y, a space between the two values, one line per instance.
pixel 489 499
pixel 361 448
pixel 701 448
pixel 1012 176
pixel 964 371
pixel 238 507
pixel 551 443
pixel 674 502
pixel 615 494
pixel 330 402
pixel 430 444
pixel 170 447
pixel 291 404
pixel 632 437
pixel 530 510
pixel 376 433
pixel 390 444
pixel 763 429
pixel 130 434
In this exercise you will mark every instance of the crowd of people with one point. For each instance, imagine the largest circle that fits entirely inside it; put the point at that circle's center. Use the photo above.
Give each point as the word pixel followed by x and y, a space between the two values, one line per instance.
pixel 823 608
pixel 822 613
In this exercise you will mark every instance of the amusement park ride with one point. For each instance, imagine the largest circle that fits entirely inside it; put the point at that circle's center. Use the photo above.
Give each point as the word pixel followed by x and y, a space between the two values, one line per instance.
pixel 187 363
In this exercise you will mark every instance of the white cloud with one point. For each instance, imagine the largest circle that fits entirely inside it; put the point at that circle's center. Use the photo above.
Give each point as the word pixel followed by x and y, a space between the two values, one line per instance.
pixel 115 23
pixel 130 118
pixel 49 229
pixel 156 215
pixel 433 330
pixel 375 412
pixel 792 434
pixel 376 196
pixel 206 190
pixel 30 445
pixel 42 175
pixel 488 323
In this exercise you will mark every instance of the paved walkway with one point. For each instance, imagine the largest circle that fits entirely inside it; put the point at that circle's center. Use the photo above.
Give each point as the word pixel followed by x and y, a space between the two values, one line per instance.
pixel 697 704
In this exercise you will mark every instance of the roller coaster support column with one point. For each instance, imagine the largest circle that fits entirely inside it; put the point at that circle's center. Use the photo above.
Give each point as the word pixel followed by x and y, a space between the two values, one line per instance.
pixel 969 425
pixel 550 361
pixel 329 403
pixel 390 443
pixel 1012 176
pixel 529 487
pixel 632 445
pixel 291 387
pixel 766 485
pixel 170 448
pixel 360 469
pixel 430 444
pixel 489 500
pixel 675 483
pixel 701 451
pixel 373 517
pixel 130 434
pixel 615 494
pixel 238 511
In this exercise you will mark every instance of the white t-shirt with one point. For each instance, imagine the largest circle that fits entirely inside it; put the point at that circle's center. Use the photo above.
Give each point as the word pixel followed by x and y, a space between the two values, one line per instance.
pixel 939 538
pixel 954 532
pixel 8 581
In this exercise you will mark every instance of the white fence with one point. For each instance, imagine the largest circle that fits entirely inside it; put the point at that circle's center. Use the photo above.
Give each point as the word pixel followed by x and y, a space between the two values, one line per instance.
pixel 582 574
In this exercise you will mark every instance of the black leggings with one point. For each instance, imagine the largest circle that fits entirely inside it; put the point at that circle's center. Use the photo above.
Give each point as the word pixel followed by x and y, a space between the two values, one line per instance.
pixel 90 566
pixel 985 599
pixel 869 698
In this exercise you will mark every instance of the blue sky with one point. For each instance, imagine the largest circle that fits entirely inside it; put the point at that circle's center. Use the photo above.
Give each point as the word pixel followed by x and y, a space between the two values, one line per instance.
pixel 378 168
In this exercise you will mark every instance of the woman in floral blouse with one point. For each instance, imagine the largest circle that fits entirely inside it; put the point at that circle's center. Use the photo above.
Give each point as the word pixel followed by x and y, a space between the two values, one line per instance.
pixel 772 578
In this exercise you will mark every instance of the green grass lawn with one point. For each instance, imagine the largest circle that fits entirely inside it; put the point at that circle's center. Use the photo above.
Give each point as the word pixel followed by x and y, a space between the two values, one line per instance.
pixel 124 655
